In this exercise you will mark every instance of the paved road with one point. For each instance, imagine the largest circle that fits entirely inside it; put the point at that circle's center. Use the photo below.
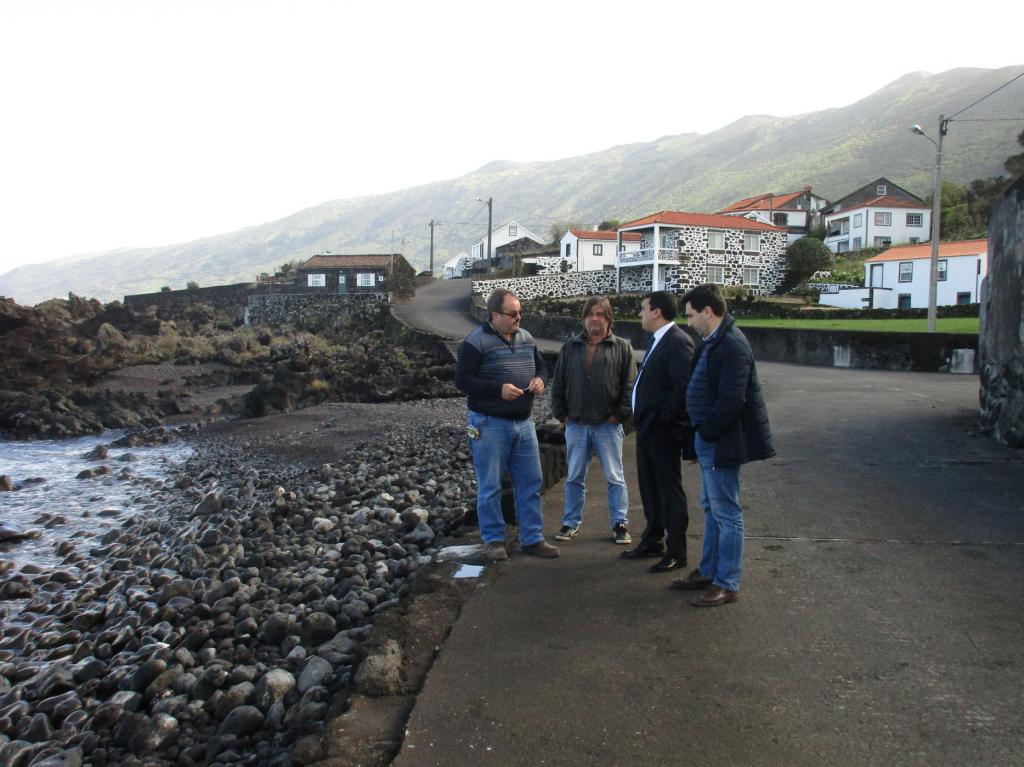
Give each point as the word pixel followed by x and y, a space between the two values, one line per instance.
pixel 442 307
pixel 879 623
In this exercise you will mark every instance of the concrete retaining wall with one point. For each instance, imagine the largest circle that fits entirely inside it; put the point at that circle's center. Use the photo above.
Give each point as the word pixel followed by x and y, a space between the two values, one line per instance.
pixel 924 352
pixel 1002 322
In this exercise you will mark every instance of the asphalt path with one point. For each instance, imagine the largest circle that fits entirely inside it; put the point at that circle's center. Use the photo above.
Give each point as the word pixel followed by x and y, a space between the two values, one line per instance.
pixel 442 307
pixel 879 620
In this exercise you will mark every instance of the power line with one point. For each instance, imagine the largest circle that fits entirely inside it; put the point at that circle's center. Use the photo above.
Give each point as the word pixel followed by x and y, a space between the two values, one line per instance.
pixel 468 221
pixel 989 119
pixel 986 96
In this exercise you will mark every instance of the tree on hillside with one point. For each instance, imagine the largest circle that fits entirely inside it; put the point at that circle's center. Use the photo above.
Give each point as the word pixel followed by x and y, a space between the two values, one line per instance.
pixel 963 215
pixel 804 257
pixel 558 230
pixel 1015 163
pixel 609 226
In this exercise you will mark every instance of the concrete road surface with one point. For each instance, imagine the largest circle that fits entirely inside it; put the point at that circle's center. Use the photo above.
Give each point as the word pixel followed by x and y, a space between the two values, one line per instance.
pixel 879 623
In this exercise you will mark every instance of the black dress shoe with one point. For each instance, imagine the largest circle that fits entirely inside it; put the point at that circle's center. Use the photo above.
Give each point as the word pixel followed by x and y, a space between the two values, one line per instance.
pixel 643 550
pixel 665 564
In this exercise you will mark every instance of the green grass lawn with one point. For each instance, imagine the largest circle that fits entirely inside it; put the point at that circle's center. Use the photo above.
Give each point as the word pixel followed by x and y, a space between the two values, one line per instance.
pixel 944 325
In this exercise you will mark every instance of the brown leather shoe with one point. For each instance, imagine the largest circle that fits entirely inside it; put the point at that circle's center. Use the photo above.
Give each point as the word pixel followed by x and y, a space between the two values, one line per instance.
pixel 695 580
pixel 715 596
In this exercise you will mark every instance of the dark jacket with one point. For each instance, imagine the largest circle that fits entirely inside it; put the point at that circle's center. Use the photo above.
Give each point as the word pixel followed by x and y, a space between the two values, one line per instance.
pixel 661 386
pixel 487 361
pixel 738 420
pixel 592 396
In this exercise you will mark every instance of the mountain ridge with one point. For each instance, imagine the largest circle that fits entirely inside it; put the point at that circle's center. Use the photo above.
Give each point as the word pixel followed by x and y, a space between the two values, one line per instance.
pixel 835 150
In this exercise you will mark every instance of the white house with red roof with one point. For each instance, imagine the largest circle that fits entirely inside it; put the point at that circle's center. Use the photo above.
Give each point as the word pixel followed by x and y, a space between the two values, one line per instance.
pixel 585 250
pixel 877 215
pixel 899 277
pixel 798 212
pixel 501 235
pixel 679 251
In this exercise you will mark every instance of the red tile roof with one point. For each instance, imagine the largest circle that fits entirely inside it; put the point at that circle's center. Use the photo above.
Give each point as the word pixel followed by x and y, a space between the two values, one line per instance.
pixel 946 250
pixel 712 220
pixel 336 262
pixel 881 202
pixel 586 234
pixel 764 202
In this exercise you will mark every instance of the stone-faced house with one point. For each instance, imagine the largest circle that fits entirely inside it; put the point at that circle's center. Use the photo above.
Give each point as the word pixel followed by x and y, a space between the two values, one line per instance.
pixel 798 212
pixel 364 276
pixel 877 215
pixel 681 250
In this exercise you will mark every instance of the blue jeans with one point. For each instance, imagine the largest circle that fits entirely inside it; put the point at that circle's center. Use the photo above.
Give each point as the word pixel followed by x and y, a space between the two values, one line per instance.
pixel 723 519
pixel 507 444
pixel 582 441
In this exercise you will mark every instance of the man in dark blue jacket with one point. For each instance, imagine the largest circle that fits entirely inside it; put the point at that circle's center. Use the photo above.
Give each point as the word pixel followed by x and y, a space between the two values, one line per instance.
pixel 727 411
pixel 501 370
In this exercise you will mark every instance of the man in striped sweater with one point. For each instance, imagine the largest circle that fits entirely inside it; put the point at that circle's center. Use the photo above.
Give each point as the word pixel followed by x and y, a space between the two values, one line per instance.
pixel 501 370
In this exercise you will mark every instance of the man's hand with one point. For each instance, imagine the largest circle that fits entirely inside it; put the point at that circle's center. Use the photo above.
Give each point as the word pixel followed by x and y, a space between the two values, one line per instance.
pixel 536 386
pixel 511 392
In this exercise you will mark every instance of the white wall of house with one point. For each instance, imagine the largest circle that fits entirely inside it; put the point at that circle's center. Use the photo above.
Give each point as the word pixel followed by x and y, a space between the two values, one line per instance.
pixel 867 227
pixel 581 251
pixel 858 298
pixel 502 235
pixel 963 276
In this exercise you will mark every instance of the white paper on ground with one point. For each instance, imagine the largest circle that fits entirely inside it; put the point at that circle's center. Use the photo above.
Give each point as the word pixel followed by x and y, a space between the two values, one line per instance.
pixel 449 553
pixel 469 571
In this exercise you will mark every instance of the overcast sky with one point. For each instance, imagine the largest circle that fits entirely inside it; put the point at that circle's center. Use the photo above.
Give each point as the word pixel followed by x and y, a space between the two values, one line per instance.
pixel 143 123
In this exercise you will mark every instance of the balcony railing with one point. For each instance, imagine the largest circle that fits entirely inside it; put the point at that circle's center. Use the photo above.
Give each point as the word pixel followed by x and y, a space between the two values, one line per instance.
pixel 647 256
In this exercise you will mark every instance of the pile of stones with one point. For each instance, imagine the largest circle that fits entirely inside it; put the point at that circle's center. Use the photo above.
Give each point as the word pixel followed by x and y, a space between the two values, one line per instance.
pixel 223 623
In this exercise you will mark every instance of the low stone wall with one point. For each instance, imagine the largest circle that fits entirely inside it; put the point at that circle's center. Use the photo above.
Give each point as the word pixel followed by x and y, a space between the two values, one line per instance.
pixel 553 285
pixel 230 298
pixel 1002 322
pixel 309 311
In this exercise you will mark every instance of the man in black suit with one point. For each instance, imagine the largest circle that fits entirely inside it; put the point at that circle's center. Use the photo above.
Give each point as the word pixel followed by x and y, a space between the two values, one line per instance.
pixel 662 431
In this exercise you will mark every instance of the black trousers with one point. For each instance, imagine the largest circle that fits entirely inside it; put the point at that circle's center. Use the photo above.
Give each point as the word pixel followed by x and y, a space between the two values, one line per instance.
pixel 659 470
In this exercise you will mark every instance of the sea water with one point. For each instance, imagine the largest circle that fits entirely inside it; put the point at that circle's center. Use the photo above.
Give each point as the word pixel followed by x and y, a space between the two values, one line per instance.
pixel 65 508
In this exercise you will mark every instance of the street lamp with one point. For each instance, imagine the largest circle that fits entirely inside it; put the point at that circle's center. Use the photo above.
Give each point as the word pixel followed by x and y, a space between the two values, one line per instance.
pixel 933 280
pixel 490 210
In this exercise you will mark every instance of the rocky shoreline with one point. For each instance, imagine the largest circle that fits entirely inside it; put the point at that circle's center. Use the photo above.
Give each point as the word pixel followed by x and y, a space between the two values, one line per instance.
pixel 226 621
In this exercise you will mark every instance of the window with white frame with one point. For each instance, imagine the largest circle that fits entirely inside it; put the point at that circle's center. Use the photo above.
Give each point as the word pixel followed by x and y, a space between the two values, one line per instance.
pixel 751 242
pixel 365 279
pixel 316 280
pixel 716 240
pixel 858 220
pixel 665 243
pixel 598 249
pixel 915 219
pixel 751 275
pixel 513 230
pixel 568 249
pixel 716 274
pixel 906 271
pixel 943 269
pixel 881 189
pixel 843 246
pixel 856 243
pixel 883 219
pixel 883 242
pixel 780 219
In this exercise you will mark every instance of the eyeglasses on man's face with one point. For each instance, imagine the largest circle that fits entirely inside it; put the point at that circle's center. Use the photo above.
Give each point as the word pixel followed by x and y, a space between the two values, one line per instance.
pixel 513 315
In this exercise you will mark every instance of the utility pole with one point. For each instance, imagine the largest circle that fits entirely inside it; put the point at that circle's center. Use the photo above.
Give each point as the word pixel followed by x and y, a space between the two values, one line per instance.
pixel 490 208
pixel 933 279
pixel 432 247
